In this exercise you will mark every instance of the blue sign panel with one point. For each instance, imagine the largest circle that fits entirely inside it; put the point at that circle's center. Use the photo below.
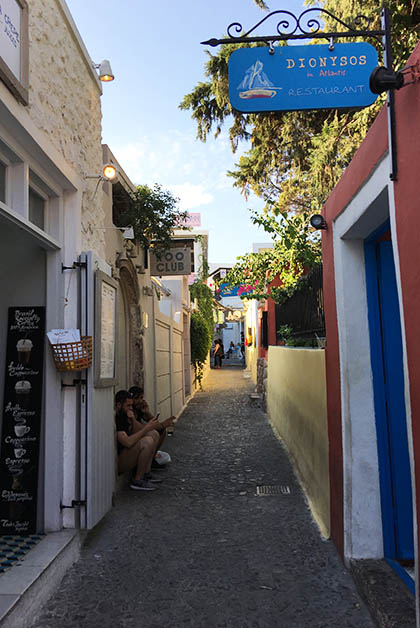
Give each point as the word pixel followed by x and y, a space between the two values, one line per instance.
pixel 227 291
pixel 301 77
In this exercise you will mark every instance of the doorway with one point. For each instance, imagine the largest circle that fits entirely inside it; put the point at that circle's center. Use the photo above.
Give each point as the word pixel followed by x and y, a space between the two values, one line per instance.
pixel 389 401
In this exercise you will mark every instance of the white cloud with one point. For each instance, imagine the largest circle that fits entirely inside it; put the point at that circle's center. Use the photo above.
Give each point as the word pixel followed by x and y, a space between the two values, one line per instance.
pixel 191 195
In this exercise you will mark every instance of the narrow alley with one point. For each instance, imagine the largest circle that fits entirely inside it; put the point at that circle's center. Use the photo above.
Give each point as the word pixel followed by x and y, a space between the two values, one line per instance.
pixel 205 550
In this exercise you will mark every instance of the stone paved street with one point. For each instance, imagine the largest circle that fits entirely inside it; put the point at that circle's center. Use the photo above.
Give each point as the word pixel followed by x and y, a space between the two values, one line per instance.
pixel 204 551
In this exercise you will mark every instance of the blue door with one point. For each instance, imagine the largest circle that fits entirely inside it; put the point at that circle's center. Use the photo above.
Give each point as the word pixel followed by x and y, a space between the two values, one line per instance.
pixel 388 376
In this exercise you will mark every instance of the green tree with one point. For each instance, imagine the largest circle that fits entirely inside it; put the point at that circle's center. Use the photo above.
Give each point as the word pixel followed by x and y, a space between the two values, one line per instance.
pixel 296 250
pixel 201 330
pixel 296 158
pixel 154 214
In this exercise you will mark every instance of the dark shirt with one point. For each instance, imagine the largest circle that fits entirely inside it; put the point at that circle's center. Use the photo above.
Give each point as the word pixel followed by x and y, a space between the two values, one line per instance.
pixel 123 425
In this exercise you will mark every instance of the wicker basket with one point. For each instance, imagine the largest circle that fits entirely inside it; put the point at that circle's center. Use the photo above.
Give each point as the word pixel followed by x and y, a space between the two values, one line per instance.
pixel 73 356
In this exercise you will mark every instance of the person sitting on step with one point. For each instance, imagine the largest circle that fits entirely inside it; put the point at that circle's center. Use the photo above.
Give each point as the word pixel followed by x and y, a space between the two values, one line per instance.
pixel 136 443
pixel 143 414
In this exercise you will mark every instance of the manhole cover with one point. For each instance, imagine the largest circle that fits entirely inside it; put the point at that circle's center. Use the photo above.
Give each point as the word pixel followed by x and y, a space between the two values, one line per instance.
pixel 273 490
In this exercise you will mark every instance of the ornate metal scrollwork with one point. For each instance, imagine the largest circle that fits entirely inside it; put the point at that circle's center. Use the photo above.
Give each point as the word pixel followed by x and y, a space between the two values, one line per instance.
pixel 304 26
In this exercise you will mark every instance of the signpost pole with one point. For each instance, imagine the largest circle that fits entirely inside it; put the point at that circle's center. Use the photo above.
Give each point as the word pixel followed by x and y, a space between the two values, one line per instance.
pixel 388 60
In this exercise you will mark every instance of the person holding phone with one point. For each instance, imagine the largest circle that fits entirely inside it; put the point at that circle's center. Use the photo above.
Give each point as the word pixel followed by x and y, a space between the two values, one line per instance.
pixel 143 414
pixel 136 443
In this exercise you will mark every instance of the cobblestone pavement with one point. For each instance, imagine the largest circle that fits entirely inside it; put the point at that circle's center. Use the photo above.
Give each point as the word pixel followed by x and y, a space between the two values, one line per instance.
pixel 204 551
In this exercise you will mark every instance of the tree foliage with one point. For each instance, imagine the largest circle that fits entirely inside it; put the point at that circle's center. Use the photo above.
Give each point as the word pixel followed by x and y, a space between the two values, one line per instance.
pixel 296 250
pixel 201 330
pixel 200 344
pixel 154 214
pixel 296 158
pixel 200 291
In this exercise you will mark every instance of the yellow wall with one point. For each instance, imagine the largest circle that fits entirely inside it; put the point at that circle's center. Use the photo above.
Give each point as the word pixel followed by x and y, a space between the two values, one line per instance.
pixel 296 404
pixel 251 362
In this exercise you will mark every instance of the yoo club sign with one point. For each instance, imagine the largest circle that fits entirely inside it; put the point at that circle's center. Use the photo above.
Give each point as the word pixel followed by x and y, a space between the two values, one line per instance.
pixel 302 77
pixel 172 262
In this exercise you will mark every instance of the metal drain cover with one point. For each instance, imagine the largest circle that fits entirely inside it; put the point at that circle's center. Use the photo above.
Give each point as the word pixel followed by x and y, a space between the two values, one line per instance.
pixel 273 490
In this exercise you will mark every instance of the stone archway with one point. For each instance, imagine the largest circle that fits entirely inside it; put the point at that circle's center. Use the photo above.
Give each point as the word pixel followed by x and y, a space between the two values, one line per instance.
pixel 131 329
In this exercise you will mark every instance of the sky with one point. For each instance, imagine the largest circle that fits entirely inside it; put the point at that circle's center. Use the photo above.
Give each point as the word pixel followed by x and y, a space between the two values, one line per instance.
pixel 156 57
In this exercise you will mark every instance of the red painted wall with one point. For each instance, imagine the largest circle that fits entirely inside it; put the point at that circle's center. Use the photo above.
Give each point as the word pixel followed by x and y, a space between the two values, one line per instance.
pixel 407 203
pixel 407 209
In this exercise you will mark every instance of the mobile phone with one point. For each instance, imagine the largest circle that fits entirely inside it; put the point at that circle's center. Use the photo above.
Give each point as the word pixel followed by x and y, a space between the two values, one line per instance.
pixel 157 416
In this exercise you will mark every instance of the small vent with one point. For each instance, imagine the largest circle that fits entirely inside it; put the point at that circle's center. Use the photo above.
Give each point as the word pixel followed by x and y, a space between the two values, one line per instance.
pixel 273 490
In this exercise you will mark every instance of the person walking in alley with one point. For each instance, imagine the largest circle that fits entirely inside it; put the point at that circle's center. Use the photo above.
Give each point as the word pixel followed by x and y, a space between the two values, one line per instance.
pixel 217 354
pixel 136 443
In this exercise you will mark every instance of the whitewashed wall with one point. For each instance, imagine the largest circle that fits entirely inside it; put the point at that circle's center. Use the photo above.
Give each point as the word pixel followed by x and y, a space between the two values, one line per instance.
pixel 64 103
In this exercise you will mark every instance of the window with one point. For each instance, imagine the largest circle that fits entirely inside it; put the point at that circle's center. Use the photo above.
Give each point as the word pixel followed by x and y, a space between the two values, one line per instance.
pixel 36 209
pixel 2 183
pixel 14 58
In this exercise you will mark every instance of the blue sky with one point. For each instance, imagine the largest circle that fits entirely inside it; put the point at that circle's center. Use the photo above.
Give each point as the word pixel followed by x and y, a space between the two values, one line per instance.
pixel 155 53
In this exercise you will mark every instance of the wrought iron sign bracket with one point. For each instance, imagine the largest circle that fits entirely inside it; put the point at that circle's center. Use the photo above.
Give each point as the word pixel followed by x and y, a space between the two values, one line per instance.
pixel 304 26
pixel 307 26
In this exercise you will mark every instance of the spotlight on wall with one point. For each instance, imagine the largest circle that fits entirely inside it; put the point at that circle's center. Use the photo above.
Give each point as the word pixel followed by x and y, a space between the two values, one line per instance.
pixel 128 233
pixel 318 222
pixel 104 71
pixel 382 80
pixel 109 172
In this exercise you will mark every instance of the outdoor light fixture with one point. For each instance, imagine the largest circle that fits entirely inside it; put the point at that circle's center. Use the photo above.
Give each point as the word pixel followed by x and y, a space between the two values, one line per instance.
pixel 104 71
pixel 382 80
pixel 318 222
pixel 109 173
pixel 128 233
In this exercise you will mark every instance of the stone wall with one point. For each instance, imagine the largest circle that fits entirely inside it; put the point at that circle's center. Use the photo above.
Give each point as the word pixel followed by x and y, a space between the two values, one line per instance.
pixel 262 372
pixel 64 103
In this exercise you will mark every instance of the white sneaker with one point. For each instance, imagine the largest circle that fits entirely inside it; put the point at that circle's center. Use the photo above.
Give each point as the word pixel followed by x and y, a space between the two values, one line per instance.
pixel 162 457
pixel 142 485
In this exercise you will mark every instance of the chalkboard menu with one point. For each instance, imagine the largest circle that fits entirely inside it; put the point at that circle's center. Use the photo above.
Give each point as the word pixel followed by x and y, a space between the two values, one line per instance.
pixel 22 406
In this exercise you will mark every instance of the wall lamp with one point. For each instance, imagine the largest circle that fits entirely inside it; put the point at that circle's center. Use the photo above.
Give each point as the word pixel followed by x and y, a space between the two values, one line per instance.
pixel 382 80
pixel 127 232
pixel 104 71
pixel 109 173
pixel 318 222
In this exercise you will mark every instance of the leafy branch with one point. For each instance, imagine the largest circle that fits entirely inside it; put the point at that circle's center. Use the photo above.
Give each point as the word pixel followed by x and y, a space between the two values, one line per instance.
pixel 154 215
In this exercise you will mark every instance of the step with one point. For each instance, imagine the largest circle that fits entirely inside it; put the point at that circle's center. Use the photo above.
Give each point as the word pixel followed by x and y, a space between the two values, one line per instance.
pixel 388 599
pixel 26 586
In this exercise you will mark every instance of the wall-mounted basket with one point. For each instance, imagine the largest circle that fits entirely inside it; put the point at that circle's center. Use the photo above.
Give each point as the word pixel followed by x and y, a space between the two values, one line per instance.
pixel 73 356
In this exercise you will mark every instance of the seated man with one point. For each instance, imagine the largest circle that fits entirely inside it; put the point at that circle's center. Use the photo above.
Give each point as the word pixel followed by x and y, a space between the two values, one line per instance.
pixel 143 414
pixel 136 443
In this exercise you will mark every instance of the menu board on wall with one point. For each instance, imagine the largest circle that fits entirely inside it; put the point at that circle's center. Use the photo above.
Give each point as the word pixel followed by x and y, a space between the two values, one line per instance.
pixel 106 300
pixel 21 429
pixel 108 310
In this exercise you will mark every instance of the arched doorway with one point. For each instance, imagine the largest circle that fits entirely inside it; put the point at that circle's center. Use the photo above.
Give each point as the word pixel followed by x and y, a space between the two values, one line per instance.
pixel 130 367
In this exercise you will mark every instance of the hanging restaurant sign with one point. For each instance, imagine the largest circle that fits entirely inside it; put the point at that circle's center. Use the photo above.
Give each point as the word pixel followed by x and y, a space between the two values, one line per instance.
pixel 291 78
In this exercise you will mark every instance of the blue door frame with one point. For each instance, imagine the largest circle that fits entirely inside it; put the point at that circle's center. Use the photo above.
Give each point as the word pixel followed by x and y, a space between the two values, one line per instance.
pixel 388 383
